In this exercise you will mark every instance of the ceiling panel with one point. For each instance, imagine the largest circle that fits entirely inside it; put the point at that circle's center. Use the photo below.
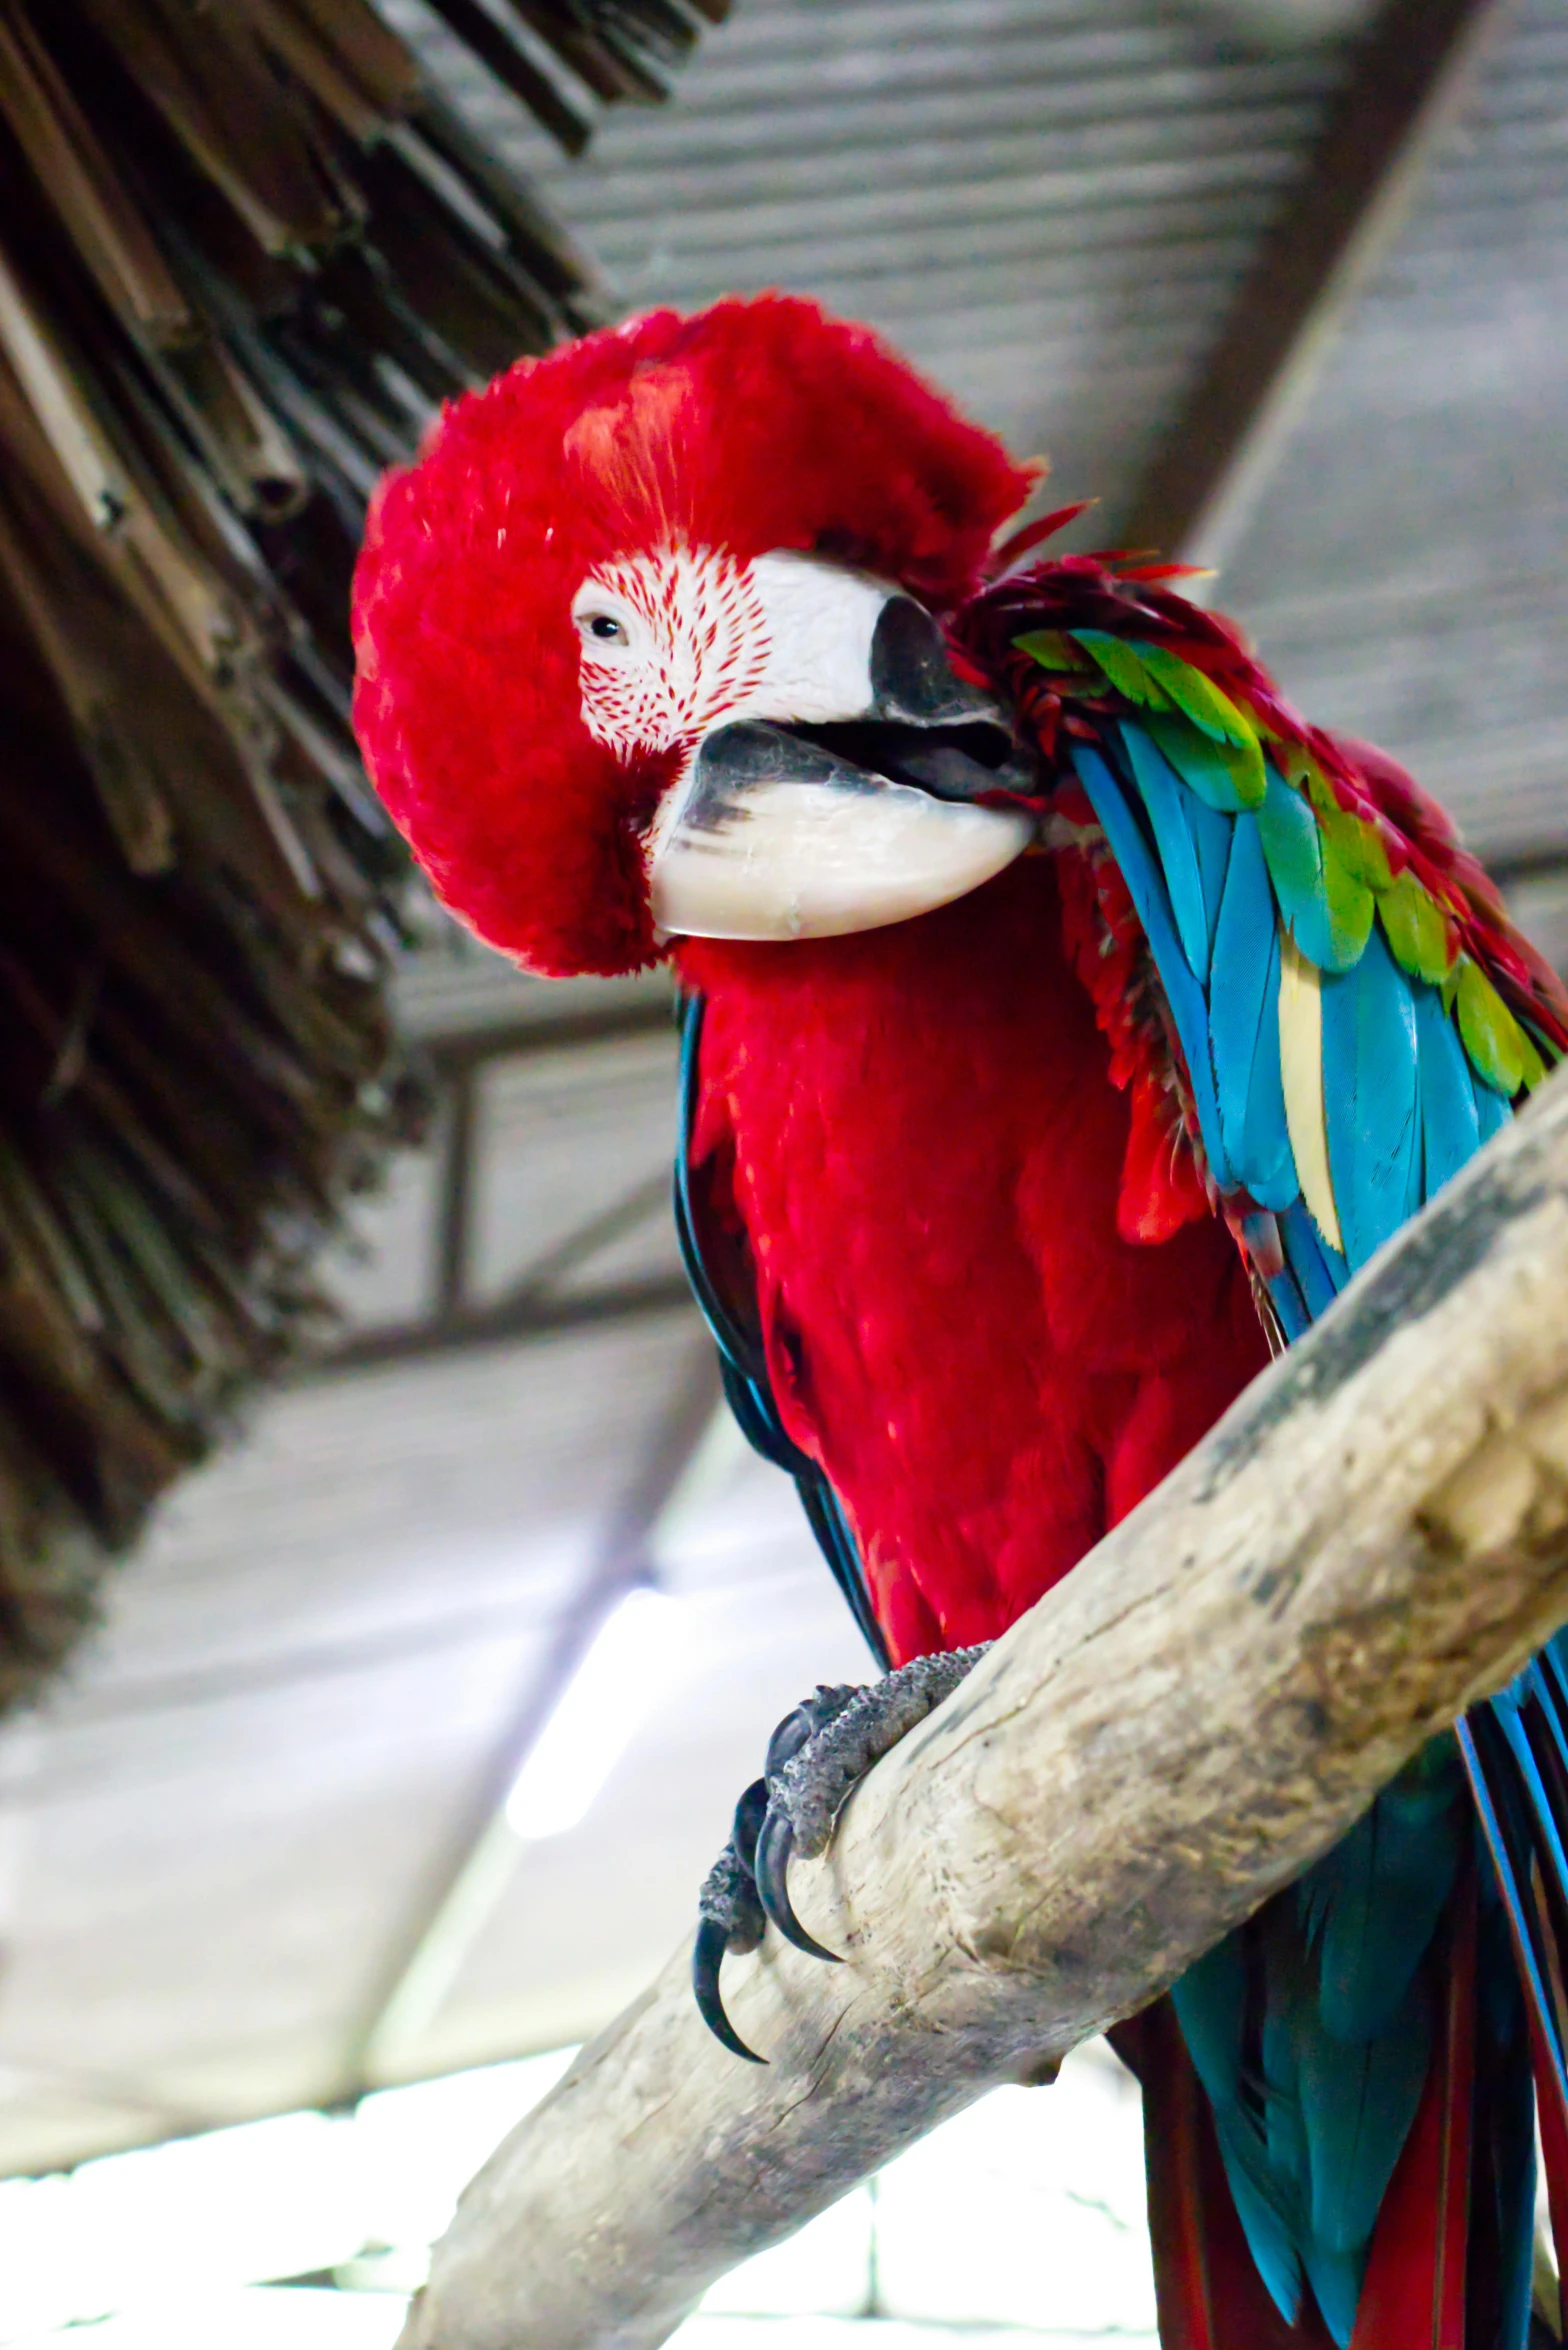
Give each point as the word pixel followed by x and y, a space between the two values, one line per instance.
pixel 565 1136
pixel 588 1917
pixel 223 1819
pixel 216 1833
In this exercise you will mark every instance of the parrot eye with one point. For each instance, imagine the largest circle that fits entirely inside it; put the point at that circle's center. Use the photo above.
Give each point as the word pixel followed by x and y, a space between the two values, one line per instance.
pixel 603 630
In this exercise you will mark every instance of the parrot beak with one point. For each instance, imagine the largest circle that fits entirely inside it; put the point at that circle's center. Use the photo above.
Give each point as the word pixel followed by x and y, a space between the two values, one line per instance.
pixel 784 830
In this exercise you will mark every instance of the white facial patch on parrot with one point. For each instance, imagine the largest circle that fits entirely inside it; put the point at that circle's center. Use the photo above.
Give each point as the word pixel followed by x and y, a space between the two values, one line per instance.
pixel 671 642
pixel 685 648
pixel 680 640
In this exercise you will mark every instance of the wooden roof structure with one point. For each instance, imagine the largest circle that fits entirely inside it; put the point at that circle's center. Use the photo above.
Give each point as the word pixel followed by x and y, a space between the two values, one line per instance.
pixel 244 251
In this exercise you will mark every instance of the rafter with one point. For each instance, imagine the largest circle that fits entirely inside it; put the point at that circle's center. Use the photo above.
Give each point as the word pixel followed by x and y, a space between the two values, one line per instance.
pixel 1410 72
pixel 534 1305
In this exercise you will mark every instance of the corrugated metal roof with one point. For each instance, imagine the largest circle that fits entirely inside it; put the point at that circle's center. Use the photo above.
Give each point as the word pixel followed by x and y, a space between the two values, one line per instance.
pixel 1047 205
pixel 1405 569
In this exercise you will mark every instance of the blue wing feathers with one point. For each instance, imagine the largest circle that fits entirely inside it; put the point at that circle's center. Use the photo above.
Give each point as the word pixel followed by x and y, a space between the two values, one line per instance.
pixel 1293 848
pixel 1192 842
pixel 1450 1127
pixel 1320 1271
pixel 1371 1098
pixel 1503 2137
pixel 1270 2234
pixel 1546 1831
pixel 1356 1988
pixel 1336 2281
pixel 1266 1147
pixel 1244 1024
pixel 1314 2096
pixel 1213 834
pixel 1358 2100
pixel 1260 2146
pixel 1548 1719
pixel 1492 1113
pixel 1210 2000
pixel 1371 1906
pixel 1528 1719
pixel 1289 1305
pixel 1503 1812
pixel 1146 886
pixel 1553 1663
pixel 1243 935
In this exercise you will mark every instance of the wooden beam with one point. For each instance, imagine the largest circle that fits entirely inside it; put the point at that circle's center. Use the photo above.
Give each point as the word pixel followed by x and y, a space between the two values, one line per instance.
pixel 455 1192
pixel 1409 74
pixel 533 1306
pixel 1374 1538
pixel 511 1322
pixel 1517 868
pixel 527 1038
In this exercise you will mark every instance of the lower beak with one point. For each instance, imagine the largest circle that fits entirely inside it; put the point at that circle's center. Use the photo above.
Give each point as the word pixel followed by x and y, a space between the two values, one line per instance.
pixel 777 836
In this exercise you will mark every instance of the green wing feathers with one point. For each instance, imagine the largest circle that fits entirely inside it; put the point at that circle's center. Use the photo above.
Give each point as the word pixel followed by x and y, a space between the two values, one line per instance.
pixel 1337 858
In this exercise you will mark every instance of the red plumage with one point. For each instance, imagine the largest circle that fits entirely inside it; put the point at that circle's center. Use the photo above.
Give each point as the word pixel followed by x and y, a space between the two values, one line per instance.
pixel 916 1130
pixel 951 1157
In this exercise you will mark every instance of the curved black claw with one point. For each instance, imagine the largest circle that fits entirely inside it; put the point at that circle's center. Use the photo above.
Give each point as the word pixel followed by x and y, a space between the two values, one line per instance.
pixel 706 1957
pixel 771 1869
pixel 730 1917
pixel 816 1757
pixel 750 1813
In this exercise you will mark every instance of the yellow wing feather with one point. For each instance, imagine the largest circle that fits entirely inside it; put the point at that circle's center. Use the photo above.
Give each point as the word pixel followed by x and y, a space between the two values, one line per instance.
pixel 1301 1069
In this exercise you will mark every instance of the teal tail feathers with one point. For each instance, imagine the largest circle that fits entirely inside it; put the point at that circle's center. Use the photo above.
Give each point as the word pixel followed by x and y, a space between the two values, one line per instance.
pixel 1209 2291
pixel 1359 2062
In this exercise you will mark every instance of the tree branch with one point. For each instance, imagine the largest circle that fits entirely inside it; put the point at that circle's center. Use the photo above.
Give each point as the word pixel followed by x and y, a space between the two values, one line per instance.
pixel 1373 1538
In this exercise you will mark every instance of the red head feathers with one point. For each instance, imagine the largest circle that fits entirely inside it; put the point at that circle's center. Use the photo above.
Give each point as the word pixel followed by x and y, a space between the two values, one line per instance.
pixel 756 427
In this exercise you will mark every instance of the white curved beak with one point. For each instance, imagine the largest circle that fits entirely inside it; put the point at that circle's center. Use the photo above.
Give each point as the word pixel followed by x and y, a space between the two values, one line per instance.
pixel 868 817
pixel 774 838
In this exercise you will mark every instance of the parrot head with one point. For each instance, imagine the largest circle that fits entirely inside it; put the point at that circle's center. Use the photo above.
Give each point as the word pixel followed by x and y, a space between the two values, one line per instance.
pixel 648 642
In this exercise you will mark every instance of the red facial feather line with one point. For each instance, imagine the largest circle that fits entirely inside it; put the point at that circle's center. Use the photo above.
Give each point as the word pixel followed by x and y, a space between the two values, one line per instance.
pixel 698 648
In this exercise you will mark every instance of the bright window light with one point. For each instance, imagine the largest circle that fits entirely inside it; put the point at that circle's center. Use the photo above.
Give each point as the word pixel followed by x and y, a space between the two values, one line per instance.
pixel 266 2199
pixel 416 2148
pixel 1019 2225
pixel 1028 2210
pixel 824 2270
pixel 603 1706
pixel 270 2318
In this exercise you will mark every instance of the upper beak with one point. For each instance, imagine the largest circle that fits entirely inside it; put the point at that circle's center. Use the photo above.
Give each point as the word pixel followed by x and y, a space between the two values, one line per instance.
pixel 784 831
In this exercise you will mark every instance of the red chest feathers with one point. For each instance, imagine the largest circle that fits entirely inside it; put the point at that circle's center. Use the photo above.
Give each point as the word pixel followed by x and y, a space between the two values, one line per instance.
pixel 916 1132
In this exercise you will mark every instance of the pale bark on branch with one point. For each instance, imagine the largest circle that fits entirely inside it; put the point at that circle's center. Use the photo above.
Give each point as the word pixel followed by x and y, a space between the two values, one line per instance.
pixel 1373 1538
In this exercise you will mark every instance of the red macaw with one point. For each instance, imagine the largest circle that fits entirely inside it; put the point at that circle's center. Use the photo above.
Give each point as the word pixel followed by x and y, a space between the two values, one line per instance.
pixel 1066 1021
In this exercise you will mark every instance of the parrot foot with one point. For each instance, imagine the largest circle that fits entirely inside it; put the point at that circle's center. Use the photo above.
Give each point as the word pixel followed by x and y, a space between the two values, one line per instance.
pixel 816 1758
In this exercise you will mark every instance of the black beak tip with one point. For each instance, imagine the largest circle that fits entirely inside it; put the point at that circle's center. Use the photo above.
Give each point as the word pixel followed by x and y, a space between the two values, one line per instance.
pixel 912 678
